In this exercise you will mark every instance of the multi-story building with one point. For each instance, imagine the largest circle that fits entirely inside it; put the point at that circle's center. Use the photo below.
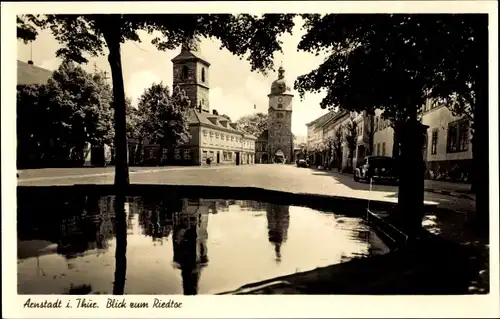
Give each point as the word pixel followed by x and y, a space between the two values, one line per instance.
pixel 275 145
pixel 315 143
pixel 212 135
pixel 447 150
pixel 322 130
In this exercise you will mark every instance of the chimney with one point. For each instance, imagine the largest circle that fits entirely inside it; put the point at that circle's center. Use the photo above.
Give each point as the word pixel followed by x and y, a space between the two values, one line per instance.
pixel 214 112
pixel 30 62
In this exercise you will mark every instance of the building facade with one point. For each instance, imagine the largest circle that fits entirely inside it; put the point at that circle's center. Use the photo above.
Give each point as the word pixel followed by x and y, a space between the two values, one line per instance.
pixel 448 149
pixel 322 132
pixel 275 145
pixel 212 136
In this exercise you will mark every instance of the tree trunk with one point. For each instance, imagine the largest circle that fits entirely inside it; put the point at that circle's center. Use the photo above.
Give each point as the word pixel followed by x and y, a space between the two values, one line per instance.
pixel 112 37
pixel 480 140
pixel 410 210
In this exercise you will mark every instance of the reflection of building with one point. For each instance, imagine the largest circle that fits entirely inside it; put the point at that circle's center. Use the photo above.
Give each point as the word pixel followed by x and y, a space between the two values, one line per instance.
pixel 275 145
pixel 278 220
pixel 189 241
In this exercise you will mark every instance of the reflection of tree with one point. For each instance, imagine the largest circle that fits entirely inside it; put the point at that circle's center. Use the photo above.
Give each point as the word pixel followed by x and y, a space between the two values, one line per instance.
pixel 88 228
pixel 121 246
pixel 155 218
pixel 278 220
pixel 189 242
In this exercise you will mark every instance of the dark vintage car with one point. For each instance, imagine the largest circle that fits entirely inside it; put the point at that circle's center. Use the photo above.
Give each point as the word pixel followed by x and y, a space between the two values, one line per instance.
pixel 302 163
pixel 378 168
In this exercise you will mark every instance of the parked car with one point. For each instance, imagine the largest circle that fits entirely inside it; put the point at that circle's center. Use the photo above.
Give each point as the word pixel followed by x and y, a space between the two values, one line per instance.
pixel 378 168
pixel 301 163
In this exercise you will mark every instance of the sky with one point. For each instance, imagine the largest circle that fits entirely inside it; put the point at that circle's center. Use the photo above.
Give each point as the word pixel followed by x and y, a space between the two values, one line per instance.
pixel 234 89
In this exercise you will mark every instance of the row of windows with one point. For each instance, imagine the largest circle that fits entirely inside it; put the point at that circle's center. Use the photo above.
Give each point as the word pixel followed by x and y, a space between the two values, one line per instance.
pixel 185 73
pixel 457 137
pixel 359 129
pixel 223 156
pixel 178 154
pixel 378 151
pixel 380 123
pixel 234 141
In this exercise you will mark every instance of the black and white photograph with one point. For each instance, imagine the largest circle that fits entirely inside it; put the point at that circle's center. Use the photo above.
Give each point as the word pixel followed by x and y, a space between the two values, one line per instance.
pixel 267 148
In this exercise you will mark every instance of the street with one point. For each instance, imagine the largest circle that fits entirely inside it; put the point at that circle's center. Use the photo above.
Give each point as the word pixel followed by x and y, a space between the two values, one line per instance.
pixel 286 178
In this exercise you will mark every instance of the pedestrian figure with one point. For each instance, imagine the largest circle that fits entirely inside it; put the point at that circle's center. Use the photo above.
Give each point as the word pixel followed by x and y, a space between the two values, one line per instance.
pixel 209 160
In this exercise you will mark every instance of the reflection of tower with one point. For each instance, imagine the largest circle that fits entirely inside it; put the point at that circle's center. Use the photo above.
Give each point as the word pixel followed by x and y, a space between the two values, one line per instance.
pixel 189 241
pixel 278 220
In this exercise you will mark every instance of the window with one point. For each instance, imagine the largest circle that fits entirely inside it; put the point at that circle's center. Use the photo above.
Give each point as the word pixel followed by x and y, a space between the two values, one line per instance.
pixel 279 115
pixel 217 135
pixel 202 74
pixel 383 149
pixel 224 156
pixel 185 72
pixel 187 154
pixel 280 106
pixel 205 133
pixel 378 148
pixel 211 134
pixel 434 142
pixel 177 154
pixel 204 155
pixel 458 137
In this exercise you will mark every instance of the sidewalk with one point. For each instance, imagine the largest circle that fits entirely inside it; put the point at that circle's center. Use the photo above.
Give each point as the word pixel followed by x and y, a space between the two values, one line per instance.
pixel 460 190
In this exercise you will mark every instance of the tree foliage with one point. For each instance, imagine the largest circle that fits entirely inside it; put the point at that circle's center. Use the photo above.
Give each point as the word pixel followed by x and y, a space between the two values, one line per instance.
pixel 164 117
pixel 254 124
pixel 57 120
pixel 80 106
pixel 255 37
pixel 226 117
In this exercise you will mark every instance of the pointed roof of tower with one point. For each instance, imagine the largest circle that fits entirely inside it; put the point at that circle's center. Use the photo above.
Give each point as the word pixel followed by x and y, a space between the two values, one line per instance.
pixel 191 51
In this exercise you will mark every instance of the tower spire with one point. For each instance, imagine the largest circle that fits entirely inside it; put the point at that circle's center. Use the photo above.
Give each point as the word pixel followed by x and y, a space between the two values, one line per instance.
pixel 281 71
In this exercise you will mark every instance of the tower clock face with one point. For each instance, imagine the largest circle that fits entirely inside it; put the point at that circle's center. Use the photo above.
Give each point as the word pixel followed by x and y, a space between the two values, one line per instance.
pixel 280 99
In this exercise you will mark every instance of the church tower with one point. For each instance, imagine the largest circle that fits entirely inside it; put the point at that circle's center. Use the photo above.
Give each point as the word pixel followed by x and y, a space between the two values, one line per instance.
pixel 279 125
pixel 191 74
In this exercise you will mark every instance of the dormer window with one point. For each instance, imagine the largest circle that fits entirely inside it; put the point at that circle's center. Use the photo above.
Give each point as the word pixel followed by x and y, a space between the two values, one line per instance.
pixel 202 74
pixel 185 72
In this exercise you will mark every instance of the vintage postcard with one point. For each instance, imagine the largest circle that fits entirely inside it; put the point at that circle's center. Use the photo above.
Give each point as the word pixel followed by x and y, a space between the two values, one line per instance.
pixel 191 159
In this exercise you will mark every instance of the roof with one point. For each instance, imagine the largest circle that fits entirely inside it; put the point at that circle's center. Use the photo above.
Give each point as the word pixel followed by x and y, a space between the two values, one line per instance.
pixel 31 74
pixel 337 116
pixel 185 56
pixel 204 119
pixel 323 119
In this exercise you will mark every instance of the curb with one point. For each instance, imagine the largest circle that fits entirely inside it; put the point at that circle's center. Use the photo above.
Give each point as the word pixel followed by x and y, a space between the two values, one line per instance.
pixel 449 193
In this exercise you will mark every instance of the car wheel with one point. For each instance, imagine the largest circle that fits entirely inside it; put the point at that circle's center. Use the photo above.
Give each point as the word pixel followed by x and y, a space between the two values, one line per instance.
pixel 356 178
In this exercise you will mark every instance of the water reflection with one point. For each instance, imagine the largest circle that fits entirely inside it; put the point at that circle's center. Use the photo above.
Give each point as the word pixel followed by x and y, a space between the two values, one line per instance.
pixel 278 220
pixel 113 244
